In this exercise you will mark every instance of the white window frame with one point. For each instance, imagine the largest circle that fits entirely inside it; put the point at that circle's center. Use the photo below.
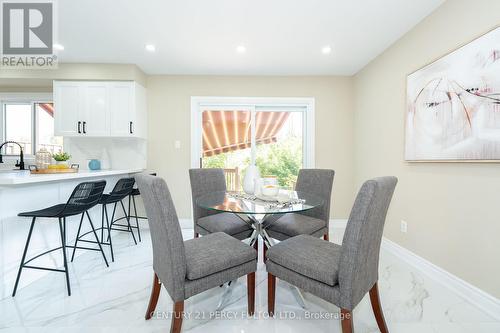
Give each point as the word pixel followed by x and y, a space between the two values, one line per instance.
pixel 22 98
pixel 200 103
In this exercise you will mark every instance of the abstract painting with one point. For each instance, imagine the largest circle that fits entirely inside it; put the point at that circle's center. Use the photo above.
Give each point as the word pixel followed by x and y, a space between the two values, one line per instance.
pixel 453 105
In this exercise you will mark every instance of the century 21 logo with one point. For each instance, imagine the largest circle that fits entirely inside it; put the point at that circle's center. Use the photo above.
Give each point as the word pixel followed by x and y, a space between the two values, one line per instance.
pixel 27 28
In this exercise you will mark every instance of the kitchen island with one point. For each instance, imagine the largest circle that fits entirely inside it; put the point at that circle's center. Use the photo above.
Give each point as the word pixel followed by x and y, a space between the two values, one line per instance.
pixel 21 191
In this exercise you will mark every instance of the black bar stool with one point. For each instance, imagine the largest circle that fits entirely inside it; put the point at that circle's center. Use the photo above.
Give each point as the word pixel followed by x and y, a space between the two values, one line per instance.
pixel 131 199
pixel 85 196
pixel 122 189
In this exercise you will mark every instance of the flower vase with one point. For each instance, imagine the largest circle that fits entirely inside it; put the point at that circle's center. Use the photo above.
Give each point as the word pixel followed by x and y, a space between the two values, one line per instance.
pixel 251 174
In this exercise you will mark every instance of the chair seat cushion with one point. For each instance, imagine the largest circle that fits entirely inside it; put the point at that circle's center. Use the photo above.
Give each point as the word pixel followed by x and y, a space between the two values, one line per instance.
pixel 297 224
pixel 215 253
pixel 224 222
pixel 308 256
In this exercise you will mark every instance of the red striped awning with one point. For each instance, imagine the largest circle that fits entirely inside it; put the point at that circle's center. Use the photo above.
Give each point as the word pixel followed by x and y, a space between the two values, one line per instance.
pixel 48 107
pixel 225 131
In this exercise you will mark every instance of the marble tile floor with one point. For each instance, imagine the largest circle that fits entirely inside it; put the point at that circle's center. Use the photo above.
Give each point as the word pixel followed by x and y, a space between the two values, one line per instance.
pixel 114 299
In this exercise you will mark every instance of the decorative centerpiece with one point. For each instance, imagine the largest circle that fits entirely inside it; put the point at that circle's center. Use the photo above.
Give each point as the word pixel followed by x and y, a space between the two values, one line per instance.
pixel 61 160
pixel 252 173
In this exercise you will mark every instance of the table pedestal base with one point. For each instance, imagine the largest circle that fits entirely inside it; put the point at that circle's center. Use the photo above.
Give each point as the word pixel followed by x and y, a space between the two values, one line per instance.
pixel 259 227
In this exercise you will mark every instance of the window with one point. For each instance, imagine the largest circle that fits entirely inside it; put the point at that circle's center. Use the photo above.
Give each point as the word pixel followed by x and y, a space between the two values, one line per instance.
pixel 31 124
pixel 275 135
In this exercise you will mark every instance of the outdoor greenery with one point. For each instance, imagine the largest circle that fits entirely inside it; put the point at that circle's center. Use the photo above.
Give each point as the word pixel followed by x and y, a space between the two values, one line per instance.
pixel 282 159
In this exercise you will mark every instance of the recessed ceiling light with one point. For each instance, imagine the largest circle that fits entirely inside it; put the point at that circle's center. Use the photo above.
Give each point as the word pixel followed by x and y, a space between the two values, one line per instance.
pixel 58 47
pixel 150 47
pixel 326 49
pixel 241 49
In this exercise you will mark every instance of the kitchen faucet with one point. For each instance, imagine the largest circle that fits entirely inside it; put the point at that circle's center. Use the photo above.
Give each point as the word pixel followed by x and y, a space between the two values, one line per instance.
pixel 19 163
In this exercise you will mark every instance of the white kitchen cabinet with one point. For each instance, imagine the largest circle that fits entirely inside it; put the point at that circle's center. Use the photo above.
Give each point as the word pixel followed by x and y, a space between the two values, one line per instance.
pixel 100 109
pixel 68 97
pixel 96 109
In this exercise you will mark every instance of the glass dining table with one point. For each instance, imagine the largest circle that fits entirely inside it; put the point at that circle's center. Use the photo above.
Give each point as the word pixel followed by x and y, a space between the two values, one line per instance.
pixel 259 213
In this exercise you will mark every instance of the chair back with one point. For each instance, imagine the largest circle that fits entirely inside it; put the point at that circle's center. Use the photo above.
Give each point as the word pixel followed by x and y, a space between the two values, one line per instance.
pixel 359 258
pixel 169 257
pixel 122 189
pixel 318 182
pixel 85 196
pixel 204 181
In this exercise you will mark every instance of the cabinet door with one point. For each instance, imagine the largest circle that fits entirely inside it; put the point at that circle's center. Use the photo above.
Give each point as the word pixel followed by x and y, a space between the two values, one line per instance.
pixel 67 108
pixel 96 104
pixel 122 115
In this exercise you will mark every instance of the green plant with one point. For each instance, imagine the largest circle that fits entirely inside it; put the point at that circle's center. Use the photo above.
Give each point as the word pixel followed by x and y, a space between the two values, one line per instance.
pixel 61 156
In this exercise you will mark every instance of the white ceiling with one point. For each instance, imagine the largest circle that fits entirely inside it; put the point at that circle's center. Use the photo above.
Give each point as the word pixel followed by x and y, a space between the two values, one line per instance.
pixel 282 37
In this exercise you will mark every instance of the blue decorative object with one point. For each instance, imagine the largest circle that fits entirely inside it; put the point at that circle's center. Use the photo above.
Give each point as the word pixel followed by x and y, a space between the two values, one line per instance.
pixel 95 165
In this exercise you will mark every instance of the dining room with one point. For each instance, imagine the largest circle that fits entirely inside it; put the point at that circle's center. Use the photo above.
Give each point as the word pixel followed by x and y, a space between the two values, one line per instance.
pixel 250 166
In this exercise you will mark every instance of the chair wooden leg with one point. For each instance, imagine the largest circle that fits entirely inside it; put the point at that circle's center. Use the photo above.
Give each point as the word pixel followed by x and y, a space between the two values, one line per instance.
pixel 264 253
pixel 326 237
pixel 271 293
pixel 377 309
pixel 346 320
pixel 177 316
pixel 251 293
pixel 153 299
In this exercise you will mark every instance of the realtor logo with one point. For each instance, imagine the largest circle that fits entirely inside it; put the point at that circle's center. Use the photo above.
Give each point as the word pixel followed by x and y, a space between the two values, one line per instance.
pixel 27 34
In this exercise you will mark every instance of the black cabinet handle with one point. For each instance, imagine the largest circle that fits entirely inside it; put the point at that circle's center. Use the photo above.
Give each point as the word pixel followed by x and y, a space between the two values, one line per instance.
pixel 131 129
pixel 79 127
pixel 84 127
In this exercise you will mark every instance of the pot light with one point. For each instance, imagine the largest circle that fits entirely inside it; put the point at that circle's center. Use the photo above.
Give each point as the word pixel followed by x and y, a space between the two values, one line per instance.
pixel 326 49
pixel 58 47
pixel 150 47
pixel 241 49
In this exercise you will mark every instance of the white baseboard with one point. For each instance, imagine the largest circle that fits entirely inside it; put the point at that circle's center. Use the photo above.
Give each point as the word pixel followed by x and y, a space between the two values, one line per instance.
pixel 472 294
pixel 186 223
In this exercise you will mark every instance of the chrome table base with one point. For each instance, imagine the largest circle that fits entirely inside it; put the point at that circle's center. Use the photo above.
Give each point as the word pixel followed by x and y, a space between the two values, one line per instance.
pixel 259 226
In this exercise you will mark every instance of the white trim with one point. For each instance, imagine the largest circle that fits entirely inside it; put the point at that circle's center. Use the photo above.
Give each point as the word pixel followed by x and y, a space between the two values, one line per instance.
pixel 474 295
pixel 249 102
pixel 186 223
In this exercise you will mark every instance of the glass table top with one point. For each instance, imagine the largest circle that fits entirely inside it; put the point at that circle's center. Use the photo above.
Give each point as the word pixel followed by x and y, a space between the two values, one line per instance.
pixel 241 203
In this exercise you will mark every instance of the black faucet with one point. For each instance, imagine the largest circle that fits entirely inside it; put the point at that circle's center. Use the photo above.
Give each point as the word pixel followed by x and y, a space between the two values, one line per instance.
pixel 20 163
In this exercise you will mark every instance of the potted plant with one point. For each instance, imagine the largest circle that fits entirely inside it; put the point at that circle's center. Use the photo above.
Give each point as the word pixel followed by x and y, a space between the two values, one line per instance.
pixel 61 158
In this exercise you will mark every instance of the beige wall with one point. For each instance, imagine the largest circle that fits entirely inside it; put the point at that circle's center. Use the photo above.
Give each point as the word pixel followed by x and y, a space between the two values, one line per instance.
pixel 452 209
pixel 169 113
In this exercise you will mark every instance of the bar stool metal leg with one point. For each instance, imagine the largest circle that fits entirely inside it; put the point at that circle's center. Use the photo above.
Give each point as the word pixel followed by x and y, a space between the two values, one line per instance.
pixel 112 220
pixel 63 241
pixel 128 222
pixel 105 211
pixel 24 256
pixel 136 218
pixel 77 236
pixel 97 239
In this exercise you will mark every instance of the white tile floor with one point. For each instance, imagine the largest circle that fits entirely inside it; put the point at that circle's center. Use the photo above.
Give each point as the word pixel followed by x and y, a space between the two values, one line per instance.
pixel 114 299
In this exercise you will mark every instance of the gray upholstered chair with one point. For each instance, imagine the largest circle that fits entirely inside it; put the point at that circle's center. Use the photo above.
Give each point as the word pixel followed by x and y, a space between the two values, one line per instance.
pixel 204 181
pixel 314 222
pixel 338 274
pixel 187 268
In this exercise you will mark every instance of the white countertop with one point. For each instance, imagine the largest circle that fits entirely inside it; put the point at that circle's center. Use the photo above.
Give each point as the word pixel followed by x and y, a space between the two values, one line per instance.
pixel 25 177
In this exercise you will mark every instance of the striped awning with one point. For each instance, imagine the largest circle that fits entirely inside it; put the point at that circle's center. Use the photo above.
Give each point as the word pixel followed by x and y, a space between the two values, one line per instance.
pixel 48 107
pixel 225 131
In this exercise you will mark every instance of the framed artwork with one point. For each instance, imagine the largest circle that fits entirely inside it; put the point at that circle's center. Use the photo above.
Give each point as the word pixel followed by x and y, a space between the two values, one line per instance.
pixel 453 105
